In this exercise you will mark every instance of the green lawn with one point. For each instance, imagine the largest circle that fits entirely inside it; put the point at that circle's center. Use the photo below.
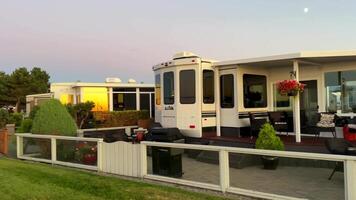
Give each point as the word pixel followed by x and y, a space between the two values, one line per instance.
pixel 24 180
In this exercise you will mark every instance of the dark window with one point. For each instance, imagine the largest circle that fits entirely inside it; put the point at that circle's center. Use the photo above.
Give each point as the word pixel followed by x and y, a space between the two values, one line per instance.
pixel 145 102
pixel 187 86
pixel 153 105
pixel 124 101
pixel 227 91
pixel 124 89
pixel 208 86
pixel 147 89
pixel 255 91
pixel 168 87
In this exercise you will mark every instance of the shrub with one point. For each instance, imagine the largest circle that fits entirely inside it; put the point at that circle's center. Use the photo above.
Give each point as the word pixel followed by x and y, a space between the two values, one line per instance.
pixel 4 118
pixel 16 118
pixel 143 114
pixel 117 118
pixel 52 118
pixel 82 113
pixel 26 126
pixel 33 112
pixel 267 139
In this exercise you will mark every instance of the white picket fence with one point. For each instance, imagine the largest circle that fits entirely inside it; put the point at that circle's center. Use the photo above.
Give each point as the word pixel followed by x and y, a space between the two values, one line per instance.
pixel 122 158
pixel 128 159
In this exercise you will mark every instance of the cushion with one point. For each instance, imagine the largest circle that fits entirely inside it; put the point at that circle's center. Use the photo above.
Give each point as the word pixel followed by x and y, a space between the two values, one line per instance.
pixel 326 121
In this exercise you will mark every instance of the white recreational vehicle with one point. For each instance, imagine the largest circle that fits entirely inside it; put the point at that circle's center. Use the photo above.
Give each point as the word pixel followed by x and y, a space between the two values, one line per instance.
pixel 201 96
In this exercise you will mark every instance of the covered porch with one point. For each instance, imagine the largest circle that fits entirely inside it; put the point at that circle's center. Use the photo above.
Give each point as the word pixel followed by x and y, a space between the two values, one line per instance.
pixel 330 79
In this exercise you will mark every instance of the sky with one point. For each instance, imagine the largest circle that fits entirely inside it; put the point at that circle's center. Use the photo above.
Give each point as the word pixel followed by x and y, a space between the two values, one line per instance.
pixel 90 40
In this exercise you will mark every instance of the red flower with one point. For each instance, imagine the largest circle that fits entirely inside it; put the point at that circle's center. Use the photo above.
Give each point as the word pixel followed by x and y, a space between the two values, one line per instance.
pixel 287 86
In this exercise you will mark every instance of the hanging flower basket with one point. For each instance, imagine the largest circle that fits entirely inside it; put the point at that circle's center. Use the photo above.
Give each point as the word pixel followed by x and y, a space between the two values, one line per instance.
pixel 290 87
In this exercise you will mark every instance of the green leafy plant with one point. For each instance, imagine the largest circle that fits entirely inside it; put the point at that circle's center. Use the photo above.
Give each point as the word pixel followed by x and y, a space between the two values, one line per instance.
pixel 53 119
pixel 26 126
pixel 267 139
pixel 33 112
pixel 4 118
pixel 16 118
pixel 81 112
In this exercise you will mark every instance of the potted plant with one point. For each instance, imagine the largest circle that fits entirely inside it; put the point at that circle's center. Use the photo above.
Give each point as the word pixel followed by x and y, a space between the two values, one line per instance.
pixel 144 120
pixel 290 87
pixel 267 139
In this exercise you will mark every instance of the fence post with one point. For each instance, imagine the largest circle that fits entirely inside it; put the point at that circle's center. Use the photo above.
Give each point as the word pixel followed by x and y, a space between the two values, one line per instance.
pixel 224 170
pixel 100 155
pixel 143 157
pixel 19 146
pixel 350 179
pixel 53 150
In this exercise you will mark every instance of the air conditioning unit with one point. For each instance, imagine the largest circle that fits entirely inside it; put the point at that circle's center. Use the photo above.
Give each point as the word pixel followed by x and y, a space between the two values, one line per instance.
pixel 112 80
pixel 184 54
pixel 131 80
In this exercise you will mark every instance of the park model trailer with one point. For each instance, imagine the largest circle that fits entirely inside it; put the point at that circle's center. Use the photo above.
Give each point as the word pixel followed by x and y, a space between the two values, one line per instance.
pixel 181 102
pixel 201 96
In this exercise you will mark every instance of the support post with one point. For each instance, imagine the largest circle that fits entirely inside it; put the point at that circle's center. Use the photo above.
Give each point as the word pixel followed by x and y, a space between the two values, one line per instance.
pixel 138 99
pixel 350 179
pixel 100 155
pixel 217 102
pixel 19 146
pixel 111 99
pixel 53 150
pixel 143 159
pixel 296 106
pixel 224 170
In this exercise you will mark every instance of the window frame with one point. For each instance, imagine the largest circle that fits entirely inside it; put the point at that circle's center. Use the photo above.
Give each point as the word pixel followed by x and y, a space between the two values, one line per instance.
pixel 212 100
pixel 186 99
pixel 168 100
pixel 263 95
pixel 222 103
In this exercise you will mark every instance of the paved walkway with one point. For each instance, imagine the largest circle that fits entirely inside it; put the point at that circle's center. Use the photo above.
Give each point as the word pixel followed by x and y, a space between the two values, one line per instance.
pixel 302 182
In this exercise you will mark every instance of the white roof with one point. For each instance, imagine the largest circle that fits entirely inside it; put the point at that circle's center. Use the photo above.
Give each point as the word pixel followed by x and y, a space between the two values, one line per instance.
pixel 82 84
pixel 291 56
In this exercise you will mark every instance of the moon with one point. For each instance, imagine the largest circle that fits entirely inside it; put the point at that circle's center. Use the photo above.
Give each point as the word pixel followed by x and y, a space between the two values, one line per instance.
pixel 306 10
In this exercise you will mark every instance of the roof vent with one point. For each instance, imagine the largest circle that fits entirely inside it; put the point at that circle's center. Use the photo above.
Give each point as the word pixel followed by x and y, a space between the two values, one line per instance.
pixel 112 80
pixel 131 80
pixel 184 54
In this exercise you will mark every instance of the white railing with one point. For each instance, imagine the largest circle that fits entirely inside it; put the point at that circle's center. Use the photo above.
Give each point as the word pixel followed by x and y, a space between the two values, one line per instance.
pixel 113 158
pixel 126 128
pixel 349 168
pixel 53 140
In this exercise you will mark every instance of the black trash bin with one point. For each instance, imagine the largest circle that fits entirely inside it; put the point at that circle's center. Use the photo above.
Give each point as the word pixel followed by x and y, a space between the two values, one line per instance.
pixel 167 161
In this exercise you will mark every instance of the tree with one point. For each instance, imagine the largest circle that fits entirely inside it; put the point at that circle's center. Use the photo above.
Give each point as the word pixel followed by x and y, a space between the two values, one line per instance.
pixel 3 87
pixel 52 118
pixel 21 82
pixel 81 112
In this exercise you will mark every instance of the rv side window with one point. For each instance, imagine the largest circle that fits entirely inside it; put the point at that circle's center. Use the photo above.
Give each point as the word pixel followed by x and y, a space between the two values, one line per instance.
pixel 227 91
pixel 187 86
pixel 158 89
pixel 208 86
pixel 255 91
pixel 168 87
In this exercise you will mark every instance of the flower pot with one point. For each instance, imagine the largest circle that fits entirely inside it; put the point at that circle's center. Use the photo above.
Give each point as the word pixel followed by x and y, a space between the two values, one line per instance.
pixel 269 162
pixel 292 93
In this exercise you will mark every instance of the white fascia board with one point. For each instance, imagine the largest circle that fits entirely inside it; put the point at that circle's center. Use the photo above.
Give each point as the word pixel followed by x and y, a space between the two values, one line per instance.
pixel 258 59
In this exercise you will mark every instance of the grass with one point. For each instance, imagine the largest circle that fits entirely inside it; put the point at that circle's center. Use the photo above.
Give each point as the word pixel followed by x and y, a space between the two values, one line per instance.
pixel 26 180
